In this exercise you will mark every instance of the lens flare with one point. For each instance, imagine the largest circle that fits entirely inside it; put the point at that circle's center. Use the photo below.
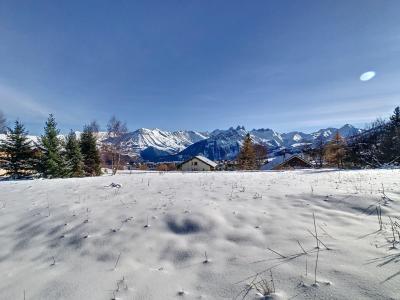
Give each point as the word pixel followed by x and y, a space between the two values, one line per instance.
pixel 367 76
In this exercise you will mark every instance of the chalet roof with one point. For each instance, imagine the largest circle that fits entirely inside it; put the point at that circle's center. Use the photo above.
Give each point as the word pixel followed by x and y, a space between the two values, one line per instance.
pixel 279 160
pixel 203 159
pixel 206 161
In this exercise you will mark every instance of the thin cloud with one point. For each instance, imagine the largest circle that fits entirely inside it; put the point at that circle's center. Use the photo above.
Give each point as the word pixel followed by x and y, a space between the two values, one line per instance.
pixel 18 104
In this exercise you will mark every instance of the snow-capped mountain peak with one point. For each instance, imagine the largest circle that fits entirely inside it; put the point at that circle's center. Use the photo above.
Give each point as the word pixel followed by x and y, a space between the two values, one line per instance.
pixel 168 142
pixel 155 144
pixel 225 144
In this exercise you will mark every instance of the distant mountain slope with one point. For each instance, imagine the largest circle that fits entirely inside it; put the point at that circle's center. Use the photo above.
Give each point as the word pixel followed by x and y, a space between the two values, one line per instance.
pixel 225 144
pixel 150 143
pixel 33 138
pixel 296 138
pixel 156 144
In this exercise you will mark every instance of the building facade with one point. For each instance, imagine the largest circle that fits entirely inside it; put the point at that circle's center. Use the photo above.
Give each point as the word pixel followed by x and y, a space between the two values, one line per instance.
pixel 197 163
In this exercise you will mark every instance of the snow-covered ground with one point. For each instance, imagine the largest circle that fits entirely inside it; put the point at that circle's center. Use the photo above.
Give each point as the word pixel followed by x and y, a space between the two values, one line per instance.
pixel 83 239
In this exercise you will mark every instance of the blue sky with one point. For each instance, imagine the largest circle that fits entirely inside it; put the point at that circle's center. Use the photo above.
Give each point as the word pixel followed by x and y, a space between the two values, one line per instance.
pixel 286 65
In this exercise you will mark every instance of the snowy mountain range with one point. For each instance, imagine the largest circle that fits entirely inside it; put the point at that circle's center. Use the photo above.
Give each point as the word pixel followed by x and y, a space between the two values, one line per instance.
pixel 159 145
pixel 151 143
pixel 225 144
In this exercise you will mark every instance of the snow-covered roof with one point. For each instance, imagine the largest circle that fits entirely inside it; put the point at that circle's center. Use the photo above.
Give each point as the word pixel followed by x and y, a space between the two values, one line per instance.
pixel 203 159
pixel 206 161
pixel 273 163
pixel 277 160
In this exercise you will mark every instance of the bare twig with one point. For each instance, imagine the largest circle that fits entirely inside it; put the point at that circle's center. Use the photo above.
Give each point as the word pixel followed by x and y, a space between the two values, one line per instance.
pixel 393 231
pixel 277 253
pixel 305 252
pixel 116 263
pixel 315 228
pixel 316 266
pixel 378 214
pixel 206 258
pixel 327 248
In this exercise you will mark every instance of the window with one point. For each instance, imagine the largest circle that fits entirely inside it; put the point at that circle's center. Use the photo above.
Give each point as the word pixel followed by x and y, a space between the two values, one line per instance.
pixel 195 163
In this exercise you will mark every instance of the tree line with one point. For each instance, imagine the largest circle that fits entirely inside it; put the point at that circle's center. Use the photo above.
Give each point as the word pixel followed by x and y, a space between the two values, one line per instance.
pixel 55 157
pixel 251 156
pixel 51 156
pixel 377 146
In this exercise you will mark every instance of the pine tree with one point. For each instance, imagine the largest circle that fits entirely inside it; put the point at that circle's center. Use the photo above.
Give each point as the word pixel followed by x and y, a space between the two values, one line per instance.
pixel 73 156
pixel 17 158
pixel 52 163
pixel 394 128
pixel 395 118
pixel 247 156
pixel 90 153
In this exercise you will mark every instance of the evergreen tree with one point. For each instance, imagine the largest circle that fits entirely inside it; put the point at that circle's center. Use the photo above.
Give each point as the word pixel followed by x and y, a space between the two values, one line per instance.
pixel 247 156
pixel 52 163
pixel 17 154
pixel 395 136
pixel 73 156
pixel 388 142
pixel 90 153
pixel 395 118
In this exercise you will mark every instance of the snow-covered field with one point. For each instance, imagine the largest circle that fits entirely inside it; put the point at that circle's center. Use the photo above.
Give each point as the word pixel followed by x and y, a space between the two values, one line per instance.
pixel 83 239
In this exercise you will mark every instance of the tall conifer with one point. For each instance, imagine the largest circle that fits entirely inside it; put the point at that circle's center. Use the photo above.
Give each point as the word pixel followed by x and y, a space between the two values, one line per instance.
pixel 90 153
pixel 52 164
pixel 17 154
pixel 73 156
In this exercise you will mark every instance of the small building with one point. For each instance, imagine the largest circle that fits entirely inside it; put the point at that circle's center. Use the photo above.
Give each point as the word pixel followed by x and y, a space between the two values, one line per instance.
pixel 287 163
pixel 197 163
